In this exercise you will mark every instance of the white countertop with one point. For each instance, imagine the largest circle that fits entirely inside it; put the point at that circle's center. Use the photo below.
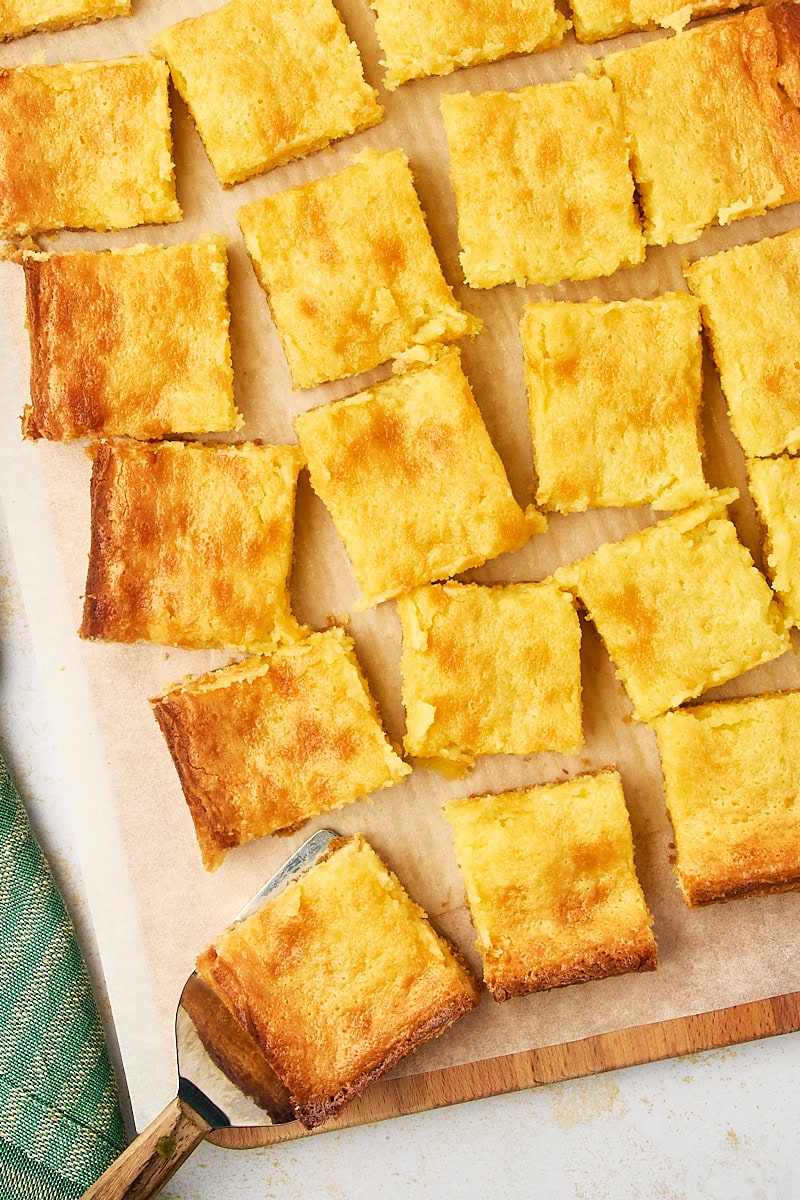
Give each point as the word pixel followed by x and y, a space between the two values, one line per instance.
pixel 720 1125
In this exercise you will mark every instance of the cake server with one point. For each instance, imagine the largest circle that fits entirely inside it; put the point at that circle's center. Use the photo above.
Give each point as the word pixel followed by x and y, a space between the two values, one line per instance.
pixel 223 1078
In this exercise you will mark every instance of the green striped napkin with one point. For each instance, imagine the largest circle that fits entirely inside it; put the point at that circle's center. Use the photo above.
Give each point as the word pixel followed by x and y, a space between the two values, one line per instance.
pixel 60 1123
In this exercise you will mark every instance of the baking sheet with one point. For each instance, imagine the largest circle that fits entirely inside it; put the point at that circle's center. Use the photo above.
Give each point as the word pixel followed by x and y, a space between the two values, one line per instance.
pixel 153 904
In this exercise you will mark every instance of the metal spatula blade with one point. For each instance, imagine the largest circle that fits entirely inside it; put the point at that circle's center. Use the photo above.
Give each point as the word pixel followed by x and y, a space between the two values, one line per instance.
pixel 223 1077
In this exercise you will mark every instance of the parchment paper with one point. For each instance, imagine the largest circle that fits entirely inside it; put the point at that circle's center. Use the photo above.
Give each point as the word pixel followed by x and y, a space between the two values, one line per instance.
pixel 153 904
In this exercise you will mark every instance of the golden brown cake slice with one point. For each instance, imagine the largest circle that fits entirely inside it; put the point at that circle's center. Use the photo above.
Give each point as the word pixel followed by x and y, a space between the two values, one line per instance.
pixel 338 978
pixel 619 383
pixel 679 606
pixel 191 544
pixel 596 19
pixel 415 487
pixel 85 145
pixel 349 270
pixel 490 670
pixel 271 741
pixel 551 884
pixel 713 119
pixel 266 83
pixel 750 309
pixel 775 487
pixel 18 17
pixel 732 783
pixel 421 37
pixel 543 187
pixel 131 342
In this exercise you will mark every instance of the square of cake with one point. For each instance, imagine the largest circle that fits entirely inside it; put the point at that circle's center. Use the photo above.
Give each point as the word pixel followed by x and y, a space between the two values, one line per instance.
pixel 614 394
pixel 749 304
pixel 266 743
pixel 191 544
pixel 679 606
pixel 349 270
pixel 266 83
pixel 129 342
pixel 732 784
pixel 775 487
pixel 597 19
pixel 18 17
pixel 713 120
pixel 543 187
pixel 85 145
pixel 490 670
pixel 551 884
pixel 421 38
pixel 415 487
pixel 338 978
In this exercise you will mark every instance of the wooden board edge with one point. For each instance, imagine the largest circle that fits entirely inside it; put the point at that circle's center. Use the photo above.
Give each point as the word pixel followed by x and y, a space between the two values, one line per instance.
pixel 532 1068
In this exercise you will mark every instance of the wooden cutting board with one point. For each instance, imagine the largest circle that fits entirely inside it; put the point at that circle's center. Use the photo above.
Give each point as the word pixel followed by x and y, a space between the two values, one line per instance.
pixel 552 1064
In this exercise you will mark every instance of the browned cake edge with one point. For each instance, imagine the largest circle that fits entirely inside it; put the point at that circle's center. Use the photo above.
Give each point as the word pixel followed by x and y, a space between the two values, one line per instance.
pixel 98 614
pixel 628 956
pixel 230 1049
pixel 698 893
pixel 31 414
pixel 213 840
pixel 313 1112
pixel 785 21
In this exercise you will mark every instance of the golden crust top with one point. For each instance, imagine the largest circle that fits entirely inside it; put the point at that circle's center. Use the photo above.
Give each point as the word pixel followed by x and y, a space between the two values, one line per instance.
pixel 338 978
pixel 267 83
pixel 551 884
pixel 269 742
pixel 191 544
pixel 85 146
pixel 714 121
pixel 542 182
pixel 18 17
pixel 749 298
pixel 131 342
pixel 618 383
pixel 732 782
pixel 490 670
pixel 422 38
pixel 349 270
pixel 415 488
pixel 679 606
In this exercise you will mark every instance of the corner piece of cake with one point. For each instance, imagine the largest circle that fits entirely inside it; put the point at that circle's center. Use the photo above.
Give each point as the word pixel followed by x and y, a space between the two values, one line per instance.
pixel 775 488
pixel 265 744
pixel 267 83
pixel 19 17
pixel 85 145
pixel 551 884
pixel 415 487
pixel 338 978
pixel 129 342
pixel 421 38
pixel 543 187
pixel 732 785
pixel 680 606
pixel 490 670
pixel 349 269
pixel 620 384
pixel 714 121
pixel 191 544
pixel 749 305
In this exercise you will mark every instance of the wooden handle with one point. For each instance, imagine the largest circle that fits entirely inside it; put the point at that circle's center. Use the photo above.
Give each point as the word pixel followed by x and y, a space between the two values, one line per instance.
pixel 153 1158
